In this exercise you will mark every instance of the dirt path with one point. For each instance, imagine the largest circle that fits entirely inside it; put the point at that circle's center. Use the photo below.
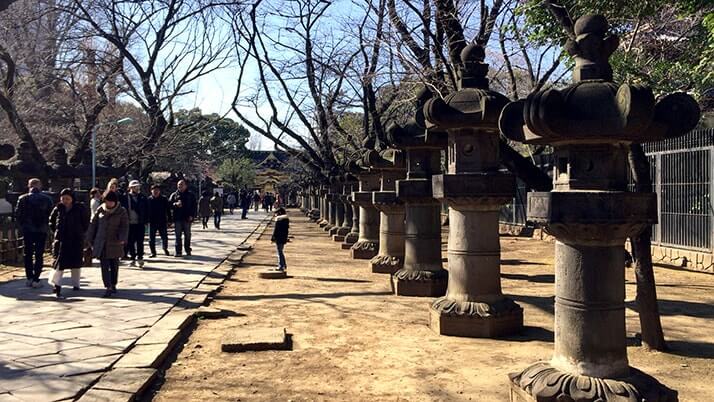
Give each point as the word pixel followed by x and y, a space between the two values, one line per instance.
pixel 354 341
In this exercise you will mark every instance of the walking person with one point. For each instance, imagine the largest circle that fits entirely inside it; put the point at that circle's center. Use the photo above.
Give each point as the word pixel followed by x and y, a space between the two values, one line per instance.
pixel 159 217
pixel 269 202
pixel 244 204
pixel 256 200
pixel 32 214
pixel 69 222
pixel 95 200
pixel 204 208
pixel 217 208
pixel 231 200
pixel 112 186
pixel 137 207
pixel 280 236
pixel 183 204
pixel 108 234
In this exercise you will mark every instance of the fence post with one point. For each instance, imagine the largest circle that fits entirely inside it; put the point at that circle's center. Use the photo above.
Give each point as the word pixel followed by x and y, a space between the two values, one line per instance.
pixel 658 191
pixel 711 194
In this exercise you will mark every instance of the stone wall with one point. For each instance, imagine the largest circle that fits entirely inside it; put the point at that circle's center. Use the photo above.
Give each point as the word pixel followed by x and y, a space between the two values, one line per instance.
pixel 678 258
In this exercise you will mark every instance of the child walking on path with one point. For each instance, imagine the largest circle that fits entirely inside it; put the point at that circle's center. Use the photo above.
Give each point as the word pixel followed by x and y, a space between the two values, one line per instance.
pixel 280 236
pixel 108 233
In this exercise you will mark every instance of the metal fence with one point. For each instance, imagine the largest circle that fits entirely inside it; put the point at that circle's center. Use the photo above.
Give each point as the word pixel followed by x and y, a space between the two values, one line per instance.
pixel 682 177
pixel 514 213
pixel 681 172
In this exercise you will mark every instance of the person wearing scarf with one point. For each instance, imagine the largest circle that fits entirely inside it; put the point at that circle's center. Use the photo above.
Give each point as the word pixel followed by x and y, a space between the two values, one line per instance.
pixel 107 235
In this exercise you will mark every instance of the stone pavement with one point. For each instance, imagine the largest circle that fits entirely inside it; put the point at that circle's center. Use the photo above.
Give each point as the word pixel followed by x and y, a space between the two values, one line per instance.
pixel 57 349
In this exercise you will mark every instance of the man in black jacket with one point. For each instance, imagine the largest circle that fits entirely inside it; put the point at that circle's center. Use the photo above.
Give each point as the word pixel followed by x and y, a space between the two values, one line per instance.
pixel 137 205
pixel 244 204
pixel 159 217
pixel 184 206
pixel 32 214
pixel 280 236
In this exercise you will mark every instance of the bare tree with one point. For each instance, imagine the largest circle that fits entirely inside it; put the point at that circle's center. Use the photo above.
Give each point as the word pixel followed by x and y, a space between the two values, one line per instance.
pixel 301 77
pixel 56 78
pixel 434 42
pixel 166 47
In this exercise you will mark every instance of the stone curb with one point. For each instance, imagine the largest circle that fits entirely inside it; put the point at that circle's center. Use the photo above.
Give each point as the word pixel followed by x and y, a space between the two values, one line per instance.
pixel 138 368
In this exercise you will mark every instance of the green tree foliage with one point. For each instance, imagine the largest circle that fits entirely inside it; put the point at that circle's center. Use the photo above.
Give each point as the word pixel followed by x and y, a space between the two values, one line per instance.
pixel 197 144
pixel 668 45
pixel 237 173
pixel 218 138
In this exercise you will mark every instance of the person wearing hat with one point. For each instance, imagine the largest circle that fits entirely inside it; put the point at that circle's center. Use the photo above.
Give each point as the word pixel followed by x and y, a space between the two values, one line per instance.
pixel 69 222
pixel 107 235
pixel 137 207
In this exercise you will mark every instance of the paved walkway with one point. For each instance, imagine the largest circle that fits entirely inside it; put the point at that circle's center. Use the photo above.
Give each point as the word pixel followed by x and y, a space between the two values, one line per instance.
pixel 55 349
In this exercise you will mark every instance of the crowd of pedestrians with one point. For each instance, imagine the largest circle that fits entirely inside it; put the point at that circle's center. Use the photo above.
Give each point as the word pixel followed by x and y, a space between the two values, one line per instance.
pixel 114 225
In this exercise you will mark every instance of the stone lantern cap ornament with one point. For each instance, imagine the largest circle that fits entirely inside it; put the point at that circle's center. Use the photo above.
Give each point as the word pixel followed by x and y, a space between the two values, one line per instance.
pixel 593 108
pixel 470 116
pixel 474 105
pixel 414 133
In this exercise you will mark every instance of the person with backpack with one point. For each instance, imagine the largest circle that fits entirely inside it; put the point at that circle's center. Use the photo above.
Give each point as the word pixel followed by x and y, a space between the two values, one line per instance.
pixel 69 222
pixel 217 208
pixel 32 214
pixel 280 236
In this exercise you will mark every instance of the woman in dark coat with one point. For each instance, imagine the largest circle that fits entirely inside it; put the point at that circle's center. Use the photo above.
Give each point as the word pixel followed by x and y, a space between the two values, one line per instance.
pixel 108 233
pixel 204 208
pixel 69 221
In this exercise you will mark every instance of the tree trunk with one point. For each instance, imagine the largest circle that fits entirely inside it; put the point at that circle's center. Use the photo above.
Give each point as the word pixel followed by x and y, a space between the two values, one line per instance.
pixel 520 166
pixel 650 323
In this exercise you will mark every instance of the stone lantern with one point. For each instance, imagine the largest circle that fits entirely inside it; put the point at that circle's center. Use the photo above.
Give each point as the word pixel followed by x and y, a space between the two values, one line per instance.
pixel 24 168
pixel 590 125
pixel 339 206
pixel 353 235
pixel 346 226
pixel 107 171
pixel 61 173
pixel 367 244
pixel 391 166
pixel 7 151
pixel 423 273
pixel 314 203
pixel 322 193
pixel 103 173
pixel 331 204
pixel 475 191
